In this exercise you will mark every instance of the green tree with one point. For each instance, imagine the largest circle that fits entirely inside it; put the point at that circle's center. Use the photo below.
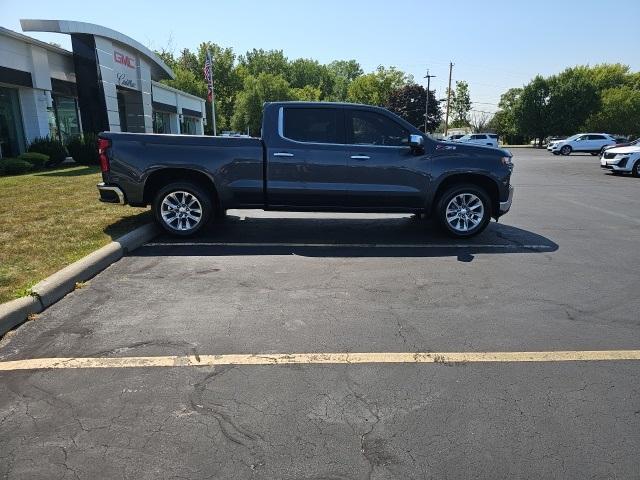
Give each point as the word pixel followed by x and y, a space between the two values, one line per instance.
pixel 257 90
pixel 532 109
pixel 460 104
pixel 409 102
pixel 573 97
pixel 376 87
pixel 620 112
pixel 504 121
pixel 258 61
pixel 605 75
pixel 343 72
pixel 307 93
pixel 304 72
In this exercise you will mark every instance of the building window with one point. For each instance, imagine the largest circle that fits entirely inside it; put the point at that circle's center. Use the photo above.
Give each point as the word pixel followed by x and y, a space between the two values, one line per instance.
pixel 11 134
pixel 161 122
pixel 64 121
pixel 188 125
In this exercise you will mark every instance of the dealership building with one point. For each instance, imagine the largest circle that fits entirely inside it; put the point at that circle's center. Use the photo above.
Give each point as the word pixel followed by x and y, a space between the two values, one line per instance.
pixel 108 82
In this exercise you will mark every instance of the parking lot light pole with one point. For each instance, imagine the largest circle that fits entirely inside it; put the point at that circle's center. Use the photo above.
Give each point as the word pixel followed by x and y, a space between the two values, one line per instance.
pixel 426 108
pixel 446 120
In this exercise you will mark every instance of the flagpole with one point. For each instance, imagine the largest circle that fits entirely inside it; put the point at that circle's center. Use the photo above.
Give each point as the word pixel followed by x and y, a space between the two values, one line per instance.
pixel 213 97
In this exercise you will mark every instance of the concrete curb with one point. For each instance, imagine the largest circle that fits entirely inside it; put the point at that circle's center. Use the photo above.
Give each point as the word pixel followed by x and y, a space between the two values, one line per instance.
pixel 14 312
pixel 53 288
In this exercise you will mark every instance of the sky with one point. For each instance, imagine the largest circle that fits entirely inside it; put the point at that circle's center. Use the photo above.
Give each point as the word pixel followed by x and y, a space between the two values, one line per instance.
pixel 494 45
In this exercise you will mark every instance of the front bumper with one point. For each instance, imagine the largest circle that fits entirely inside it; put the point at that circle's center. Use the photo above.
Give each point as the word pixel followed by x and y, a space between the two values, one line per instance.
pixel 617 164
pixel 505 206
pixel 110 193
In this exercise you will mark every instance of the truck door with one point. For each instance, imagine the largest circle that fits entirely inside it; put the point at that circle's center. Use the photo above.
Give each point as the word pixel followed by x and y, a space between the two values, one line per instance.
pixel 383 171
pixel 307 160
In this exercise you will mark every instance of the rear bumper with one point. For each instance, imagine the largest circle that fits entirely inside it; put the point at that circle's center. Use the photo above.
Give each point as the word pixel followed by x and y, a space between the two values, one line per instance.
pixel 506 205
pixel 110 193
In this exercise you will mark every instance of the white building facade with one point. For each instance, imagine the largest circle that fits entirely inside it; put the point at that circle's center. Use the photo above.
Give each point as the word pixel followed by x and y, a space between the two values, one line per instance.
pixel 109 82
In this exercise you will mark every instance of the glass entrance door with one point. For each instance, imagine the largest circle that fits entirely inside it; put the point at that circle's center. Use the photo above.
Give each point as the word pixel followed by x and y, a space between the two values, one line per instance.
pixel 11 135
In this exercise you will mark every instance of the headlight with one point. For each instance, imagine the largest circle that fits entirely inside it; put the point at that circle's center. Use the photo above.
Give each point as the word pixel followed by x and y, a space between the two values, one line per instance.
pixel 507 161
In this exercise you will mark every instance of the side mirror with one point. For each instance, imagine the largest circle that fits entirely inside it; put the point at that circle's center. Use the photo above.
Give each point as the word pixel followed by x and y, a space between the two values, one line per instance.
pixel 416 142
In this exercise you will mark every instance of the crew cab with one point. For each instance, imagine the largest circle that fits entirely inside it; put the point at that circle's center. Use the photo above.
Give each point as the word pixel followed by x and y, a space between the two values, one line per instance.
pixel 313 156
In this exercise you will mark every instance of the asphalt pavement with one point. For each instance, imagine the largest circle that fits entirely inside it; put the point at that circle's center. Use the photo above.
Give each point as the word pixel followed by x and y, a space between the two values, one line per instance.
pixel 558 273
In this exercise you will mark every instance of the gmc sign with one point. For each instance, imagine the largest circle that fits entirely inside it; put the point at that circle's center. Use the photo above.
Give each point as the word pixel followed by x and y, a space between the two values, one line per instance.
pixel 125 60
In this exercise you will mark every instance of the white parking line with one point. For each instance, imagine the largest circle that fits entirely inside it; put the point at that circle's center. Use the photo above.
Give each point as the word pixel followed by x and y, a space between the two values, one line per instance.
pixel 319 358
pixel 602 210
pixel 348 245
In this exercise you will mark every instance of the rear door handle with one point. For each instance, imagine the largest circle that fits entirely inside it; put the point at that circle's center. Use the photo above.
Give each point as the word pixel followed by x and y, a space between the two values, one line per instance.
pixel 360 157
pixel 283 154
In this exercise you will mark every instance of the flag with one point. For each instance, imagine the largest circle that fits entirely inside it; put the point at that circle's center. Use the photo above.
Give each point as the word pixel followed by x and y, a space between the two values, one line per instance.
pixel 208 76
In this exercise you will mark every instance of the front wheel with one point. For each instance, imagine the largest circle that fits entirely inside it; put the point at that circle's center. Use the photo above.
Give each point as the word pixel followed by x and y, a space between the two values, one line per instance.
pixel 566 150
pixel 464 211
pixel 182 208
pixel 635 171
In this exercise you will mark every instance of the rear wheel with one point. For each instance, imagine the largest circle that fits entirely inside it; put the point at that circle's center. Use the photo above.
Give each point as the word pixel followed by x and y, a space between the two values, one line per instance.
pixel 566 150
pixel 182 208
pixel 464 211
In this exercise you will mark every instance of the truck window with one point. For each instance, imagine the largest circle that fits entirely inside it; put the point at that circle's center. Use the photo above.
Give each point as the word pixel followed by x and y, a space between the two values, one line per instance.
pixel 370 128
pixel 315 125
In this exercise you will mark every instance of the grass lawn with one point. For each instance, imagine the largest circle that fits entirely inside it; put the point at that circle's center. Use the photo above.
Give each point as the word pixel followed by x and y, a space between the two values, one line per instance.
pixel 52 218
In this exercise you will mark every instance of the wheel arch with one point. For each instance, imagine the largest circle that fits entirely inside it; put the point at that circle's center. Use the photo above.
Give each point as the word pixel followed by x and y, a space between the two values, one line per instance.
pixel 161 177
pixel 480 180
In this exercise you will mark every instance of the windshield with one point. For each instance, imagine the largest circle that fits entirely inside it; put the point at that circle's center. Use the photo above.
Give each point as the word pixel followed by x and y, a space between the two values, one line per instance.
pixel 465 137
pixel 573 137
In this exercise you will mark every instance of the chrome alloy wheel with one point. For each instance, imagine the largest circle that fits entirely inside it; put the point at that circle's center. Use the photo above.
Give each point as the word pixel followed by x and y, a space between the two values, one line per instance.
pixel 181 210
pixel 465 212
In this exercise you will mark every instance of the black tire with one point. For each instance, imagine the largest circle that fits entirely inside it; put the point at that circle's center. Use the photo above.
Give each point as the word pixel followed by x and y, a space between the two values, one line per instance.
pixel 635 171
pixel 186 225
pixel 458 190
pixel 566 150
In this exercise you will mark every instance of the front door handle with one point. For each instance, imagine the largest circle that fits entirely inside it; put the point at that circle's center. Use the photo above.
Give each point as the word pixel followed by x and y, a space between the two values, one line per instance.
pixel 360 157
pixel 283 154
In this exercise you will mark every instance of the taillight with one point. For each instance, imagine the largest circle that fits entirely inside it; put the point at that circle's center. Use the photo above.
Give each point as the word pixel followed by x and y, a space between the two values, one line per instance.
pixel 103 145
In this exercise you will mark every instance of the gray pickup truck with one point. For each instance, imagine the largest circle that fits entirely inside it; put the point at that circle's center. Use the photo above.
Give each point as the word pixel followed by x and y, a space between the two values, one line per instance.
pixel 331 157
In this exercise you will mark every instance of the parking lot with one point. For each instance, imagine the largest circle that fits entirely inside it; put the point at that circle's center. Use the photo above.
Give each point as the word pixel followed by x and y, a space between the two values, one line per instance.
pixel 558 273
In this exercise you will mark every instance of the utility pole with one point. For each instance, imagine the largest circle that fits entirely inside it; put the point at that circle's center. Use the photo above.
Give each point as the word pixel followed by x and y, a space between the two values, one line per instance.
pixel 426 108
pixel 446 120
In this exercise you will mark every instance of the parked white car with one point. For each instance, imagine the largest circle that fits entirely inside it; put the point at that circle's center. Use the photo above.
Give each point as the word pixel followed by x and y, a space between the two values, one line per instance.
pixel 583 142
pixel 490 139
pixel 622 160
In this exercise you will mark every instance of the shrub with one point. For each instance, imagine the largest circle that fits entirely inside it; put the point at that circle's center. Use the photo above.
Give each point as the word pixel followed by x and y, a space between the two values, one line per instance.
pixel 14 166
pixel 38 160
pixel 84 149
pixel 49 146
